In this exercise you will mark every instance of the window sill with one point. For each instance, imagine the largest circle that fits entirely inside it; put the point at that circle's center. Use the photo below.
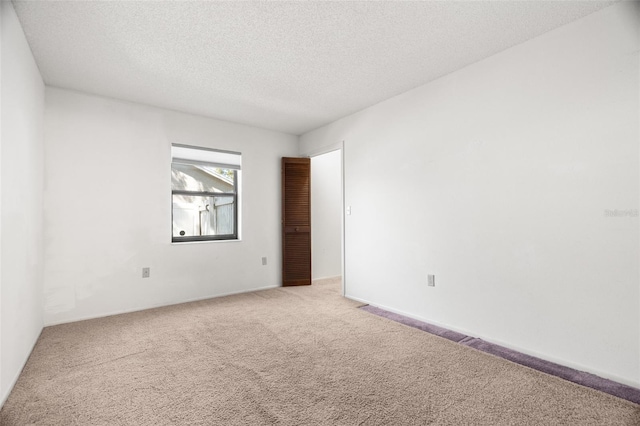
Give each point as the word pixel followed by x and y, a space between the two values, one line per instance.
pixel 179 243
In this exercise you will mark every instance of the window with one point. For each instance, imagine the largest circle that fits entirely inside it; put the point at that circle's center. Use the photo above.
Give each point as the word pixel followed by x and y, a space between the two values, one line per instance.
pixel 204 193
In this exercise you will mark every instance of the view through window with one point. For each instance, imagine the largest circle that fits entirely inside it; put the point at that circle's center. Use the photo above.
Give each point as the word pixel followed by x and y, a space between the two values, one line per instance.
pixel 204 192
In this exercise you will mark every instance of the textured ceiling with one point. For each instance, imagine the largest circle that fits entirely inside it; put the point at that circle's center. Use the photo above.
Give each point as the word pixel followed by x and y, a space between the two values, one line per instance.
pixel 287 66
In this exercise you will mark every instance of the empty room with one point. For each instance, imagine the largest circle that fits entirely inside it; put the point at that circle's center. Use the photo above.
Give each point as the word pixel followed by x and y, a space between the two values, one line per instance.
pixel 320 212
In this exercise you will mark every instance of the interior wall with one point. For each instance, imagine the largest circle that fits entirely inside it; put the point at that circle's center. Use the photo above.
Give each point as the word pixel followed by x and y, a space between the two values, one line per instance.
pixel 2 390
pixel 21 182
pixel 107 208
pixel 326 215
pixel 515 181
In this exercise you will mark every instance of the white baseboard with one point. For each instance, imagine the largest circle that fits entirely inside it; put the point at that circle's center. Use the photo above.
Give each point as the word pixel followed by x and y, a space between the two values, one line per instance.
pixel 526 351
pixel 14 380
pixel 159 305
pixel 337 277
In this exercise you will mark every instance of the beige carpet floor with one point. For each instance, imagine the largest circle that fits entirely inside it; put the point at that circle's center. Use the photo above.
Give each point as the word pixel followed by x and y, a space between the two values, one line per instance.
pixel 287 356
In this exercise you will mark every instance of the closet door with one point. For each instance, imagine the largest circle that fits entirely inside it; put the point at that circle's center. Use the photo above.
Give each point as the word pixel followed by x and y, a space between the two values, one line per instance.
pixel 296 221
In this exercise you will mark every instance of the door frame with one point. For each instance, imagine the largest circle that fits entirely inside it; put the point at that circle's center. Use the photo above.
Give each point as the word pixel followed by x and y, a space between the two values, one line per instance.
pixel 325 150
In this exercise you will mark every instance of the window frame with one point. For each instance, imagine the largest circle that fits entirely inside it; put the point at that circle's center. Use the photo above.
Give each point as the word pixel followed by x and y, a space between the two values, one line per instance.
pixel 236 195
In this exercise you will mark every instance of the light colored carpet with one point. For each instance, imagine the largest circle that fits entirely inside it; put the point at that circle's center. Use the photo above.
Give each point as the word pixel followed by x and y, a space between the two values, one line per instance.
pixel 287 356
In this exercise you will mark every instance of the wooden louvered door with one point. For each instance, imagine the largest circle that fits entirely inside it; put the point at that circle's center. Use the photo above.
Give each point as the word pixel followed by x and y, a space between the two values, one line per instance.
pixel 296 221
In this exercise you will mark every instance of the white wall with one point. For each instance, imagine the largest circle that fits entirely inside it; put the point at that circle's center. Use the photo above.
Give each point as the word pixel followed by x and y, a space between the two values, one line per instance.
pixel 501 174
pixel 326 215
pixel 108 208
pixel 21 180
pixel 3 393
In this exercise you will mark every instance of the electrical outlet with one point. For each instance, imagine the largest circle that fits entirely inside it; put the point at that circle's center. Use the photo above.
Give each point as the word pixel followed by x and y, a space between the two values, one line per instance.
pixel 264 261
pixel 146 272
pixel 431 280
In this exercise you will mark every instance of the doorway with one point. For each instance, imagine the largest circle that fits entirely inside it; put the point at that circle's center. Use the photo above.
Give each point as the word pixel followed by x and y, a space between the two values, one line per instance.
pixel 327 216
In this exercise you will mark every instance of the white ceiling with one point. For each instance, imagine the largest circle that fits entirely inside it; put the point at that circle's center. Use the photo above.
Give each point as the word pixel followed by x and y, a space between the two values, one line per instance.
pixel 286 66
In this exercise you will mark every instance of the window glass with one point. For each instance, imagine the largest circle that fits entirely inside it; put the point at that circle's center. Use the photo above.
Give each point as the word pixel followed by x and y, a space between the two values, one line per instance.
pixel 204 194
pixel 198 178
pixel 198 215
